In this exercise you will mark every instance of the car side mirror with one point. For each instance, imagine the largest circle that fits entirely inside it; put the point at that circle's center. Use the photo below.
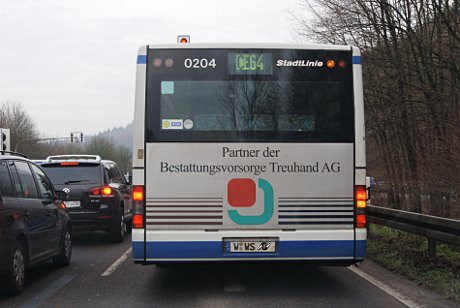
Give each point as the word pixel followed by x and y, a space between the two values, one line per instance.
pixel 128 179
pixel 61 195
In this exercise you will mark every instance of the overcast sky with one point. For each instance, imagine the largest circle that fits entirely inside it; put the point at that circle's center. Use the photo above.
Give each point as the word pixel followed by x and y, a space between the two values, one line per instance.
pixel 72 63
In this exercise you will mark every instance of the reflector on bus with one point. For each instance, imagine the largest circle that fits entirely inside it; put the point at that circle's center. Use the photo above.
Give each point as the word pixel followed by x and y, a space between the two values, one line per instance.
pixel 183 39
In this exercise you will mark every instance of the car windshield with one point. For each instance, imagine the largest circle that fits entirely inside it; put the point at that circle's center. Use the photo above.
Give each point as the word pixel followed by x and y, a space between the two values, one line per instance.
pixel 78 174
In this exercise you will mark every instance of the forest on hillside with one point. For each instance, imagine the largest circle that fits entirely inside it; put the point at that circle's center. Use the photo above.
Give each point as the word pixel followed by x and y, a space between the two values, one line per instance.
pixel 411 72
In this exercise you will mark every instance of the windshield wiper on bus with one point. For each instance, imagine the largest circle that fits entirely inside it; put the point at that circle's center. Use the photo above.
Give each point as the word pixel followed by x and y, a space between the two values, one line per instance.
pixel 75 181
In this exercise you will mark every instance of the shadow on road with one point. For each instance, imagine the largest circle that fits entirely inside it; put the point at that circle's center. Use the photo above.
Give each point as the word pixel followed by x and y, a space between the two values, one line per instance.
pixel 91 239
pixel 248 284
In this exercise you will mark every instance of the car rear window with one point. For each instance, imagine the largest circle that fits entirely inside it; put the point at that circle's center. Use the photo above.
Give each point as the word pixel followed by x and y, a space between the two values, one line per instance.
pixel 73 174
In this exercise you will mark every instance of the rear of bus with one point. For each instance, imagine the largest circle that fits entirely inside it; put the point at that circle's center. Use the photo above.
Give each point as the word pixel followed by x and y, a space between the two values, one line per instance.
pixel 249 152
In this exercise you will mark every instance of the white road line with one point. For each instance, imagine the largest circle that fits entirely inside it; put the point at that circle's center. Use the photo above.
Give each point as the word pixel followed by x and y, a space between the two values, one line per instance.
pixel 41 297
pixel 385 288
pixel 112 268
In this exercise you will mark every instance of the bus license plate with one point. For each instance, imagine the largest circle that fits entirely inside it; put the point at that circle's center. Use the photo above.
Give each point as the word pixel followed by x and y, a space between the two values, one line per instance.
pixel 251 246
pixel 71 204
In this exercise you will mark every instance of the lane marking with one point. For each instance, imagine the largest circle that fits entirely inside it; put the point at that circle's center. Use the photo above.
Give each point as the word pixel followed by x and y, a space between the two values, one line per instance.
pixel 385 288
pixel 112 268
pixel 39 299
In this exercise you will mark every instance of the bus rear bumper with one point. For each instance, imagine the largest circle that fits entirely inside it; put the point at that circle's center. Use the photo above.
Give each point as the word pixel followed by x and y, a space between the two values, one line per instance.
pixel 329 250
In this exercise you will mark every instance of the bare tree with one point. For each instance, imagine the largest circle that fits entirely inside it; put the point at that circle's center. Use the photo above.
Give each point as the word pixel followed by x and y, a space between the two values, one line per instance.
pixel 15 117
pixel 411 67
pixel 100 145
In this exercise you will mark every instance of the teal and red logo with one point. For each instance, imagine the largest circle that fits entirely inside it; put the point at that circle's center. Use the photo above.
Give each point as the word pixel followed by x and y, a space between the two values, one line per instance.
pixel 242 193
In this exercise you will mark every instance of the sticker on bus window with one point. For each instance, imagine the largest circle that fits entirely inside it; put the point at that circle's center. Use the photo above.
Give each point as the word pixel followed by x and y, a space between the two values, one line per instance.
pixel 167 87
pixel 188 124
pixel 172 124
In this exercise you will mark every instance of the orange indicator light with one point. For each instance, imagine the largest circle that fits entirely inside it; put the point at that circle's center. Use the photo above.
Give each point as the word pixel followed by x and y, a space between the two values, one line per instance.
pixel 138 193
pixel 106 190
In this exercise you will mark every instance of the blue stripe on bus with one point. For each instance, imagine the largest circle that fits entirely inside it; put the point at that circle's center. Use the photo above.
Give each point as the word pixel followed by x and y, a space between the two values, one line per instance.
pixel 141 59
pixel 356 59
pixel 214 250
pixel 360 249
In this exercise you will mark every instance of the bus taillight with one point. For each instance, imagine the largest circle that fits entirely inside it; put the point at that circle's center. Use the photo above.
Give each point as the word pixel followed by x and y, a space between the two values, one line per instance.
pixel 361 196
pixel 361 221
pixel 138 206
pixel 138 221
pixel 361 203
pixel 138 193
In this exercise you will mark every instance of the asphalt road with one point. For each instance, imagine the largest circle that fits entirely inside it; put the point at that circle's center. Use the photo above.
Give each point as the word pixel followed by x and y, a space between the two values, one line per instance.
pixel 82 284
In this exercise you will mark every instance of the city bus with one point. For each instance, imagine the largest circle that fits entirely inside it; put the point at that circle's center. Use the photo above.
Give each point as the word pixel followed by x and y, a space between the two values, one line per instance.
pixel 249 152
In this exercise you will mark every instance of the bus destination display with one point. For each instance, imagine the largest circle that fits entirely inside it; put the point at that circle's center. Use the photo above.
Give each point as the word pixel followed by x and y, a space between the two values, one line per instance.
pixel 250 63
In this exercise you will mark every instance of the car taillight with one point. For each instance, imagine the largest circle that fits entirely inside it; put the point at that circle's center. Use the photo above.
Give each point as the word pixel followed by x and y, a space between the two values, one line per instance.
pixel 62 205
pixel 360 204
pixel 138 206
pixel 98 192
pixel 69 163
pixel 106 191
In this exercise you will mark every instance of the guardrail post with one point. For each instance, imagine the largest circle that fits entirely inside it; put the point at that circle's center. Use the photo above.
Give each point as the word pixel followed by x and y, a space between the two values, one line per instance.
pixel 432 249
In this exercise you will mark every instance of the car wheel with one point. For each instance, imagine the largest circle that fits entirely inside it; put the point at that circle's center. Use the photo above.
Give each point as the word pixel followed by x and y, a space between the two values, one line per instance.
pixel 64 257
pixel 118 230
pixel 16 272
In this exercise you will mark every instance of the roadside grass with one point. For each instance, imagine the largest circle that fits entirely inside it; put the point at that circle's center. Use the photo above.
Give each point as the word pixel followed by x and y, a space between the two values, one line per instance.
pixel 406 254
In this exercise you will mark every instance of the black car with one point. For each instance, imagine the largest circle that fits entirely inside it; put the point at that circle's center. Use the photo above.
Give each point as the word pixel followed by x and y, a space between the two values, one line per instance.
pixel 34 223
pixel 99 197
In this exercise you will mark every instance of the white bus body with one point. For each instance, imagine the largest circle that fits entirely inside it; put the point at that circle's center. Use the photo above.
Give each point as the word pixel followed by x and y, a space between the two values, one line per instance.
pixel 247 152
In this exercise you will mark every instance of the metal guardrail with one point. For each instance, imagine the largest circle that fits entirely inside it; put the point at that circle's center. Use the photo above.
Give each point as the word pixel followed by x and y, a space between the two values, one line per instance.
pixel 432 227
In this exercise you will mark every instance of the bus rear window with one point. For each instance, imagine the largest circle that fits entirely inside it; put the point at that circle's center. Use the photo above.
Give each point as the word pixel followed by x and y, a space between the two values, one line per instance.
pixel 252 106
pixel 283 104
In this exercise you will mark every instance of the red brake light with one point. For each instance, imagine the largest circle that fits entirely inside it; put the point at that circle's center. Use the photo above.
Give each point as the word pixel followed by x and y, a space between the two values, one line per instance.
pixel 69 163
pixel 138 221
pixel 98 192
pixel 361 221
pixel 95 191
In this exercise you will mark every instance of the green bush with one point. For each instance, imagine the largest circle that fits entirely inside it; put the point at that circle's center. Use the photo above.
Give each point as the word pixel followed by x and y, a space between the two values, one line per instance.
pixel 407 255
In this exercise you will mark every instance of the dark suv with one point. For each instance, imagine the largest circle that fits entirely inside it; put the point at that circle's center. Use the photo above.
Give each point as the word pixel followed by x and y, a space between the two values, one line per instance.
pixel 34 223
pixel 99 197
